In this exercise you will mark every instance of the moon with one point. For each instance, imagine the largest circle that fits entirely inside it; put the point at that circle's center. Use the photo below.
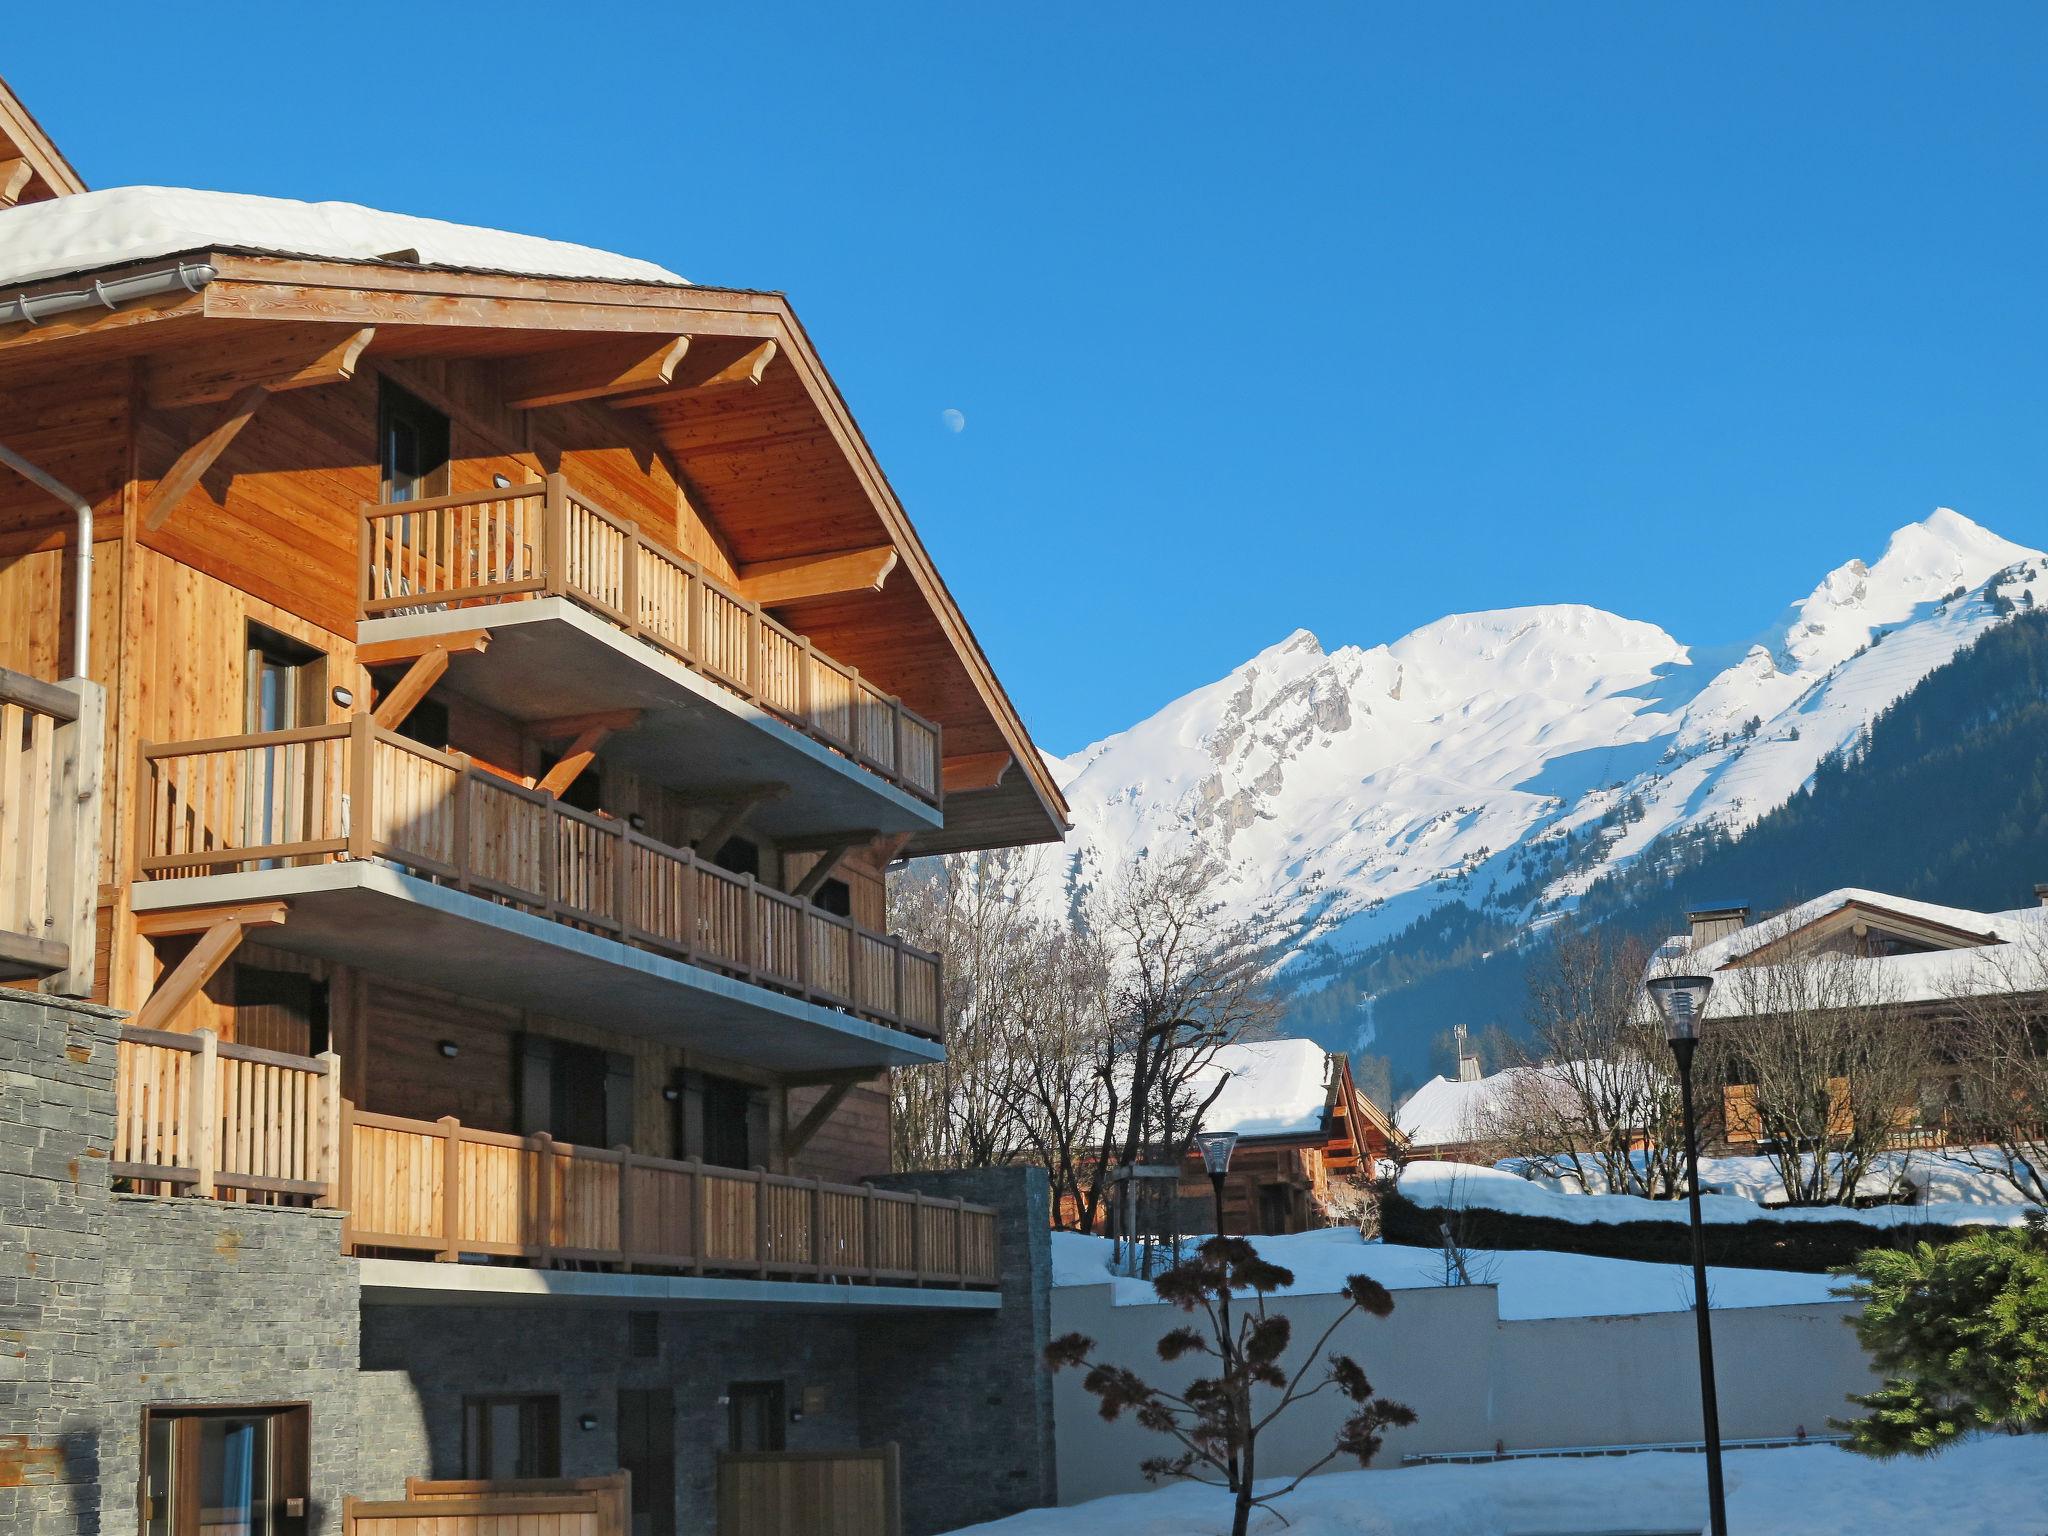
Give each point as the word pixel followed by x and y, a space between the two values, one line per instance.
pixel 955 420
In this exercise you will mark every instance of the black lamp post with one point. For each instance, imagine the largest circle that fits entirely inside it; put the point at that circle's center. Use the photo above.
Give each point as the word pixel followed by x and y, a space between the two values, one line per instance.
pixel 1683 1000
pixel 1216 1148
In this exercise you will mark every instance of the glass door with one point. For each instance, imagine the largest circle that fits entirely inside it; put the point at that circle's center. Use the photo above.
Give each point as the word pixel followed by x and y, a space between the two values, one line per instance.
pixel 227 1472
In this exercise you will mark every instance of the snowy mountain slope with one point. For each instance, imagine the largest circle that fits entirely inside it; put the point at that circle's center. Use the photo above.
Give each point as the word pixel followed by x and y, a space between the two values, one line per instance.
pixel 1509 758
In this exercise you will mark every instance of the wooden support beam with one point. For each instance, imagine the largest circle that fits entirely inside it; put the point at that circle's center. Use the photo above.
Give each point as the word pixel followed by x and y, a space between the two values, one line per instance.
pixel 735 816
pixel 581 754
pixel 279 357
pixel 193 972
pixel 798 1136
pixel 576 725
pixel 974 770
pixel 181 920
pixel 198 459
pixel 382 653
pixel 816 876
pixel 717 363
pixel 15 175
pixel 769 582
pixel 419 678
pixel 633 364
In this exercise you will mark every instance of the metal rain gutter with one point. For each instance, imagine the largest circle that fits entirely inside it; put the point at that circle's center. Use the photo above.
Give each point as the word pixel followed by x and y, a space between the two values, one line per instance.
pixel 26 309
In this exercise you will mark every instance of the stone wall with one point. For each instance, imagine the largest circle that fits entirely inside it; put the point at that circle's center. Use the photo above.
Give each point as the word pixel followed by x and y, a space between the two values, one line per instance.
pixel 56 1103
pixel 967 1395
pixel 420 1362
pixel 116 1302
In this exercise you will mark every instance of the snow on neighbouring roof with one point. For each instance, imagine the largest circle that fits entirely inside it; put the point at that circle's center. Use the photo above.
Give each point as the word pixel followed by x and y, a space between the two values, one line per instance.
pixel 92 230
pixel 1275 1088
pixel 1442 1111
pixel 2019 962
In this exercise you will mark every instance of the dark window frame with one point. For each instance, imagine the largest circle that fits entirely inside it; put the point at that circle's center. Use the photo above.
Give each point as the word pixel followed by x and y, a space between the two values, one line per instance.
pixel 543 1436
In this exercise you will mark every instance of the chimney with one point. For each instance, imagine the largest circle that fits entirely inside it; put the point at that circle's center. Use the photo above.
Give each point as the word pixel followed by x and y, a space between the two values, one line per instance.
pixel 1711 923
pixel 2041 894
pixel 1468 1064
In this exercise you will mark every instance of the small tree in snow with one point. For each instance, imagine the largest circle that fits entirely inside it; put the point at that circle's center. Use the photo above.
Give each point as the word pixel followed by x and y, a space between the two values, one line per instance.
pixel 1217 1419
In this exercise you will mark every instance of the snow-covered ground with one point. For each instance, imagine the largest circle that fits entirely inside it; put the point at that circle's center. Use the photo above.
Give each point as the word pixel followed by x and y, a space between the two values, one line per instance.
pixel 1955 1193
pixel 1991 1487
pixel 1531 1284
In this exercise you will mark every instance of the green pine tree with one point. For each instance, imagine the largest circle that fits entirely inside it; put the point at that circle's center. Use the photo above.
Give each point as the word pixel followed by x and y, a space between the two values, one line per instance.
pixel 1961 1335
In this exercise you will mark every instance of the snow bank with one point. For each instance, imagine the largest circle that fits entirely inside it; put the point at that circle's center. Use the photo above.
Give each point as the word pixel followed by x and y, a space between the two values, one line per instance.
pixel 123 224
pixel 1531 1284
pixel 1958 1195
pixel 1991 1487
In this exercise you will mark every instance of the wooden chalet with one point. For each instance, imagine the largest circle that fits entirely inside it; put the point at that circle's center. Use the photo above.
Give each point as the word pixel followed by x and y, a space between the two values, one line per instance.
pixel 473 749
pixel 1302 1127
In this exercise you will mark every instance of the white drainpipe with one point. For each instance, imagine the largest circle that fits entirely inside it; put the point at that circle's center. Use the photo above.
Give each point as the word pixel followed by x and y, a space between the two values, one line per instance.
pixel 33 310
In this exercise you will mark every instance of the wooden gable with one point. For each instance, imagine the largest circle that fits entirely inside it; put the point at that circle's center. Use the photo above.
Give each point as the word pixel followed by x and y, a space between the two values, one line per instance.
pixel 32 168
pixel 1862 929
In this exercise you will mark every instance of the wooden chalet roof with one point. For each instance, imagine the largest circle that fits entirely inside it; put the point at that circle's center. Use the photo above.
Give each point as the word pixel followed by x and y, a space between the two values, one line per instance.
pixel 1856 915
pixel 32 168
pixel 775 461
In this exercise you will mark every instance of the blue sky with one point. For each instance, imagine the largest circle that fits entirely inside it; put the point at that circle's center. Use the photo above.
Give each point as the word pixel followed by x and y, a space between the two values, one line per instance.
pixel 1341 317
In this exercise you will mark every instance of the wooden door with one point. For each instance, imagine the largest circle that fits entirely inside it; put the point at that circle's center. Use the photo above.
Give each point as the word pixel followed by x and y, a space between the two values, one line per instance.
pixel 647 1450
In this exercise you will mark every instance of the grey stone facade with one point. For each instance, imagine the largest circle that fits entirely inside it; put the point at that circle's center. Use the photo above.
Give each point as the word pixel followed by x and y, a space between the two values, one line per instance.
pixel 968 1396
pixel 110 1303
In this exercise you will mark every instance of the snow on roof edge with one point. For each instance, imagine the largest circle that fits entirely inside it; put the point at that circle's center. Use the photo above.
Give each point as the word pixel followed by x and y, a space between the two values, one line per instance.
pixel 88 231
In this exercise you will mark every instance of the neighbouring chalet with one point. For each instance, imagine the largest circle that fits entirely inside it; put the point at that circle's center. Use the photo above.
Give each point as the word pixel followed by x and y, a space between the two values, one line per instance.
pixel 1302 1126
pixel 468 763
pixel 1916 957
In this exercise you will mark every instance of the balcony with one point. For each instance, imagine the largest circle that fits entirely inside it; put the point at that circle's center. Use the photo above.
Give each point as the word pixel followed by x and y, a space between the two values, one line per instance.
pixel 416 863
pixel 587 614
pixel 49 829
pixel 195 1116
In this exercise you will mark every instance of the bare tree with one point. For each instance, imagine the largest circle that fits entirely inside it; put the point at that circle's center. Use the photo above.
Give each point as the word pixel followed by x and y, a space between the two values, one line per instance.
pixel 1596 1102
pixel 1830 1060
pixel 1058 1099
pixel 1998 1046
pixel 1190 979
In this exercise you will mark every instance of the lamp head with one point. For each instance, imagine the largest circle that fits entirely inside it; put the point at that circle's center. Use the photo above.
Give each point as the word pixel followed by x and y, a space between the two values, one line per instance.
pixel 1683 1001
pixel 1216 1148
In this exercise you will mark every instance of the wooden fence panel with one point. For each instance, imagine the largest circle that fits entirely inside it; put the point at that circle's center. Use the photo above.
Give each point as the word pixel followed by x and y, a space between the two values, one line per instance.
pixel 810 1493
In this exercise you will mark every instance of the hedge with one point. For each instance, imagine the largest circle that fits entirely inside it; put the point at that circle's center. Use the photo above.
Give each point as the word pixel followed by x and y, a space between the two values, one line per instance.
pixel 1811 1246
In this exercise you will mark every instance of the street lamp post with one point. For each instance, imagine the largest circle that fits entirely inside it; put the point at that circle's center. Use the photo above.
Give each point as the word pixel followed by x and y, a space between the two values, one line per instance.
pixel 1682 1000
pixel 1216 1149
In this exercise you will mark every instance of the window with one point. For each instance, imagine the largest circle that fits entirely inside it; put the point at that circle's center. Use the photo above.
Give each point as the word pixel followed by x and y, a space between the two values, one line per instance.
pixel 285 682
pixel 836 897
pixel 726 1107
pixel 647 1450
pixel 755 1416
pixel 280 1010
pixel 739 856
pixel 576 1085
pixel 225 1471
pixel 412 446
pixel 426 722
pixel 511 1437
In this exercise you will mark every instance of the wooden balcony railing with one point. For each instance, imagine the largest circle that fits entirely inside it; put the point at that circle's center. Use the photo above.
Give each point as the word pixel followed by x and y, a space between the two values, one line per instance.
pixel 441 1188
pixel 194 1115
pixel 50 745
pixel 358 791
pixel 544 540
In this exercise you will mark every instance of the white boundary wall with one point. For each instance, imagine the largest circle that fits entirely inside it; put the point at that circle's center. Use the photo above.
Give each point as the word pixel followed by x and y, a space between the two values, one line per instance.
pixel 1475 1380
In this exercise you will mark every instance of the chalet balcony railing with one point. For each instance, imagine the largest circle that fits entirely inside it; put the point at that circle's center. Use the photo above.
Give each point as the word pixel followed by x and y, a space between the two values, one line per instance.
pixel 50 745
pixel 543 540
pixel 444 1189
pixel 193 1115
pixel 358 791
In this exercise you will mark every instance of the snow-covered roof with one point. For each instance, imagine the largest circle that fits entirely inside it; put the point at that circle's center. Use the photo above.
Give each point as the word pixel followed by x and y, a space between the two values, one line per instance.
pixel 92 230
pixel 1274 1088
pixel 2018 961
pixel 1443 1111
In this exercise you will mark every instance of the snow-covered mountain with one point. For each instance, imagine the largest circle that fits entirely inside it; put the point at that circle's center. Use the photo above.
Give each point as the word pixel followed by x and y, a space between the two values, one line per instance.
pixel 1509 758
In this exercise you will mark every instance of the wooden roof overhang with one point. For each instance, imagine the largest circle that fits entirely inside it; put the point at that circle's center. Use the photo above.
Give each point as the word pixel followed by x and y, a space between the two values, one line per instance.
pixel 32 168
pixel 778 465
pixel 1849 915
